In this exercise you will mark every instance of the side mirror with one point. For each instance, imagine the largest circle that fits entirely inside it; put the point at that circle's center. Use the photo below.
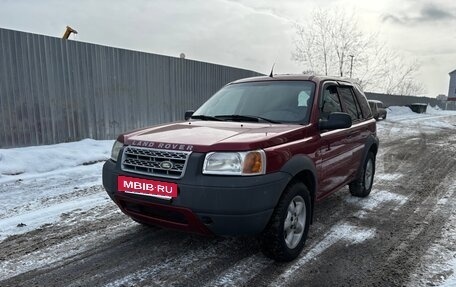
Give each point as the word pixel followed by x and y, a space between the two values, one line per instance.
pixel 336 121
pixel 188 114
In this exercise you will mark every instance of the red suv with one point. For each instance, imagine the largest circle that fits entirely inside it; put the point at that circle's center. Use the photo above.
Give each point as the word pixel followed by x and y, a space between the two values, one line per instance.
pixel 253 160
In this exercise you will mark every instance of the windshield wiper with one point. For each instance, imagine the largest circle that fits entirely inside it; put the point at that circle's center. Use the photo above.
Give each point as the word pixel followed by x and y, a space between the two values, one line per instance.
pixel 205 118
pixel 245 118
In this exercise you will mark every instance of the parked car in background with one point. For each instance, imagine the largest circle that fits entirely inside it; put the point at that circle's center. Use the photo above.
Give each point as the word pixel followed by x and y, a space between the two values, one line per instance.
pixel 253 160
pixel 378 109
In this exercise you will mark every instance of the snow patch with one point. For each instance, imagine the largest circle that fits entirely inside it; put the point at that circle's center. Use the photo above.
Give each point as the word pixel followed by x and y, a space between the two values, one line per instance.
pixel 451 281
pixel 241 272
pixel 51 214
pixel 438 265
pixel 395 112
pixel 376 199
pixel 37 192
pixel 388 176
pixel 361 214
pixel 59 252
pixel 17 162
pixel 402 113
pixel 166 269
pixel 342 232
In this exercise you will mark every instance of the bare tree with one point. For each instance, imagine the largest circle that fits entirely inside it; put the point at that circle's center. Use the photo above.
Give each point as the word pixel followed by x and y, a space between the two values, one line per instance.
pixel 325 43
pixel 331 43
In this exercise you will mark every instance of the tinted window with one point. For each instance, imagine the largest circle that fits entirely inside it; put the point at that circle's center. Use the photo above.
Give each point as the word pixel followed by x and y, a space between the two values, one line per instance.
pixel 362 101
pixel 281 101
pixel 350 103
pixel 330 102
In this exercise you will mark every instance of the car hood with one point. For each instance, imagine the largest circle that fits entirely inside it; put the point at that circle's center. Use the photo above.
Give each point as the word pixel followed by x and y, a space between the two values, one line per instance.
pixel 204 136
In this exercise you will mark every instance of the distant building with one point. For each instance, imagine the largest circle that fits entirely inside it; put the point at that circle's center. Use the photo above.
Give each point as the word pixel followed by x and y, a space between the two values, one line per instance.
pixel 442 97
pixel 452 90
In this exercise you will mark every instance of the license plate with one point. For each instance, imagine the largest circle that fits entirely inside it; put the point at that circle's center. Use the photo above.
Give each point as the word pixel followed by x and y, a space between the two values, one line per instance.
pixel 147 187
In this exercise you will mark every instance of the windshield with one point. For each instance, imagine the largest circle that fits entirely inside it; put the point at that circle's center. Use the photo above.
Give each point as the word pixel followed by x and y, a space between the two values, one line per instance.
pixel 272 101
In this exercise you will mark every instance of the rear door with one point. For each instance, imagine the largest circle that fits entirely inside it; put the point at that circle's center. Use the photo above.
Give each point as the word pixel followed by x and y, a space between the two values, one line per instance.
pixel 359 131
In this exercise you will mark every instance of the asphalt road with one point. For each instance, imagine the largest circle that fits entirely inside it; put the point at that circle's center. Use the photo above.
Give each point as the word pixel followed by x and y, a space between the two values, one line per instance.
pixel 377 241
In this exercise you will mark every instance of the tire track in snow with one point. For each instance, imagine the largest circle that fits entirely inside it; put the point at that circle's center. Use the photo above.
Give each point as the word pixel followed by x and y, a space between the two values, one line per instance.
pixel 342 232
pixel 245 270
pixel 34 219
pixel 242 271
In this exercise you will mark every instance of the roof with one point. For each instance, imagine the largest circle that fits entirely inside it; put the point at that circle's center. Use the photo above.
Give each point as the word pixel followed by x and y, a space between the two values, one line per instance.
pixel 293 77
pixel 453 72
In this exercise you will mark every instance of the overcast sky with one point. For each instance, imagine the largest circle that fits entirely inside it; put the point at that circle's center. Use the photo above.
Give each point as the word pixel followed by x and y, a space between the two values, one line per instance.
pixel 251 34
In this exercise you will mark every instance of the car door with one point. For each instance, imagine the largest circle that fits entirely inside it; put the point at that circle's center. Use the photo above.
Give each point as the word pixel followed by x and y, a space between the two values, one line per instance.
pixel 334 152
pixel 358 132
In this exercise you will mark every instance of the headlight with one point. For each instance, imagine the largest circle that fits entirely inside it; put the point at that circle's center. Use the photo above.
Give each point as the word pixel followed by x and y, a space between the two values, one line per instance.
pixel 235 163
pixel 115 150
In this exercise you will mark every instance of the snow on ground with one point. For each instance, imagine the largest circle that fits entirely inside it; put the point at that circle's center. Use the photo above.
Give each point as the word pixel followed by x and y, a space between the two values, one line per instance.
pixel 22 162
pixel 66 248
pixel 344 232
pixel 376 199
pixel 429 121
pixel 240 273
pixel 35 218
pixel 439 262
pixel 39 183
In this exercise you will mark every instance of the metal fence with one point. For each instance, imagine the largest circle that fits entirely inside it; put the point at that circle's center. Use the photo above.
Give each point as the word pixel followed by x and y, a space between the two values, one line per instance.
pixel 54 90
pixel 394 100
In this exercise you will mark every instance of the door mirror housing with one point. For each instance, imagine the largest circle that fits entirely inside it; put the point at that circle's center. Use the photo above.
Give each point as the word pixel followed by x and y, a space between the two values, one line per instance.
pixel 336 121
pixel 188 114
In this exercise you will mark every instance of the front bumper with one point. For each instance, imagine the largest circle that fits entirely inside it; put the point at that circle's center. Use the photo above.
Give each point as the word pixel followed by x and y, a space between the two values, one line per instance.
pixel 206 204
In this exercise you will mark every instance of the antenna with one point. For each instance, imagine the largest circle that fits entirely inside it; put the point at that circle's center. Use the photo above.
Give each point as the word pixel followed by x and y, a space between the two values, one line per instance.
pixel 272 70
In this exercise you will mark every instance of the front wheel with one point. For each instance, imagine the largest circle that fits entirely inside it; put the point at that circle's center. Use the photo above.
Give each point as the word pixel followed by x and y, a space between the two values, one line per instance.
pixel 362 186
pixel 285 235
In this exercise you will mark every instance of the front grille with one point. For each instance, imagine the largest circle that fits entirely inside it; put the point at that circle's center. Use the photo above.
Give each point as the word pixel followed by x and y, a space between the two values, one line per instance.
pixel 156 162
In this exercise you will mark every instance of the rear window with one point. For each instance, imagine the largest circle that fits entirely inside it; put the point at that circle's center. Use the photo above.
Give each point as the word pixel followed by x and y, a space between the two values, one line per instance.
pixel 362 100
pixel 351 104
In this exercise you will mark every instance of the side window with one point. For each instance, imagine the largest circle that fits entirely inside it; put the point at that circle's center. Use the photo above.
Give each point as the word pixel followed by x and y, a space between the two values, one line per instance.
pixel 362 101
pixel 330 102
pixel 351 105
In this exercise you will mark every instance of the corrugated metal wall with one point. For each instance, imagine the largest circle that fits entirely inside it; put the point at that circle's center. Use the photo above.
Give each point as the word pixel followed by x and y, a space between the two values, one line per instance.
pixel 52 90
pixel 393 100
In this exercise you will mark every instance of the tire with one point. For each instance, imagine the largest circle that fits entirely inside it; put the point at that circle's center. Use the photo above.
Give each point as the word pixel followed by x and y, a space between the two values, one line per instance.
pixel 289 217
pixel 362 186
pixel 384 117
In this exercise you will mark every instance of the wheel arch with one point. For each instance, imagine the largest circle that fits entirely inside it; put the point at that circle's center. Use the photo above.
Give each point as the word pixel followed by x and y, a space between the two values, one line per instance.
pixel 371 146
pixel 302 169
